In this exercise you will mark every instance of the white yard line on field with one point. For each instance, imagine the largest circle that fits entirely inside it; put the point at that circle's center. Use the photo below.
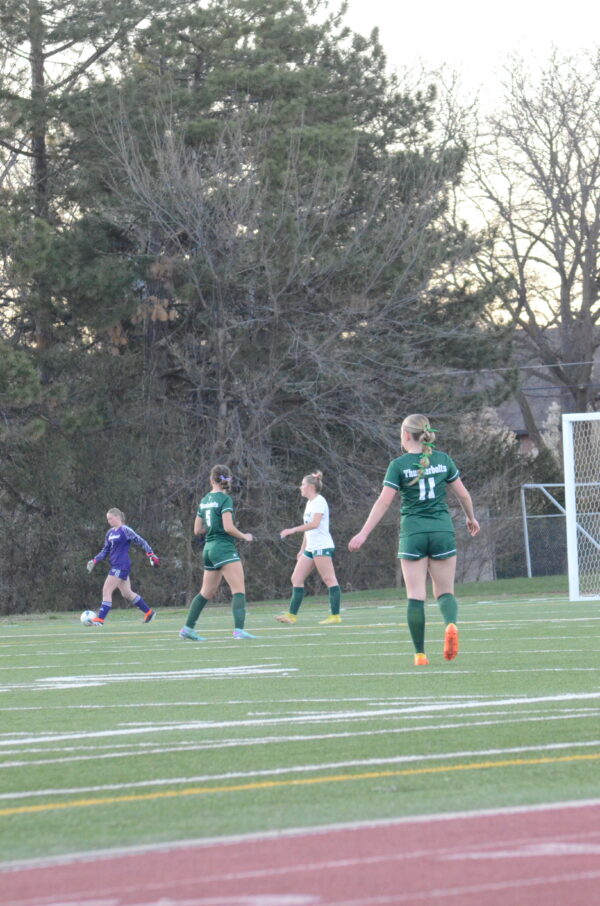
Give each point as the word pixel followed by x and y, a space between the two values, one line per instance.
pixel 317 717
pixel 307 768
pixel 190 703
pixel 103 679
pixel 147 748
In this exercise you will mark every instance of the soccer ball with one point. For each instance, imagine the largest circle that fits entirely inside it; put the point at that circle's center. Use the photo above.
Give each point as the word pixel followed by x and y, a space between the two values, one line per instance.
pixel 87 616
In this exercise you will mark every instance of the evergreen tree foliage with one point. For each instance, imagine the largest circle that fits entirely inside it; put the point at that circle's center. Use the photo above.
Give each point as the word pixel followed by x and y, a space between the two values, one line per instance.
pixel 229 244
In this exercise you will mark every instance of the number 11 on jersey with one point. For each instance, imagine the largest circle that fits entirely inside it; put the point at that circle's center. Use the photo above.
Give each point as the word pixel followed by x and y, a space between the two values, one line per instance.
pixel 423 493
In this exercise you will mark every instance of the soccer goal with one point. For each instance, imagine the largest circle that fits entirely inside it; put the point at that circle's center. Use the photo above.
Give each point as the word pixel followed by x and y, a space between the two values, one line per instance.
pixel 581 450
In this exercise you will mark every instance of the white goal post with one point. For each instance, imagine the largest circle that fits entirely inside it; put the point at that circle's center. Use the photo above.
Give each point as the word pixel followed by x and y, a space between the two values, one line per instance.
pixel 581 453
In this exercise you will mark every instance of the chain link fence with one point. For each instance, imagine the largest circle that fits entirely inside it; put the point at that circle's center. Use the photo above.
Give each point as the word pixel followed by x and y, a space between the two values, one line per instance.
pixel 499 551
pixel 546 541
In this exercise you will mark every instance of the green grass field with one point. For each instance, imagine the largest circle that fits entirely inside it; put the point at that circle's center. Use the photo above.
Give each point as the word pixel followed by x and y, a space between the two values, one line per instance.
pixel 126 735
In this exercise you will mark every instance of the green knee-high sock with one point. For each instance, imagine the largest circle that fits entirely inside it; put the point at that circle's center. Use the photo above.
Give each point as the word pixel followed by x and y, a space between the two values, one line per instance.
pixel 195 610
pixel 238 605
pixel 449 608
pixel 415 616
pixel 296 599
pixel 335 598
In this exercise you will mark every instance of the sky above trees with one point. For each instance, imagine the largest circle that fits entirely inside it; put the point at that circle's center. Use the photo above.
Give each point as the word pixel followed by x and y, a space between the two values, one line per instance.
pixel 472 38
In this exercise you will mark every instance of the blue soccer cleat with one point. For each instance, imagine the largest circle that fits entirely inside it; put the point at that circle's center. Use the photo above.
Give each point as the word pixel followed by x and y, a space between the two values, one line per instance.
pixel 187 633
pixel 242 634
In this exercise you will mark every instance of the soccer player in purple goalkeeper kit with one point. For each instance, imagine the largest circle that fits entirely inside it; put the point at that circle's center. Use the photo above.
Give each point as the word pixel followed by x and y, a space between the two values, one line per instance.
pixel 116 548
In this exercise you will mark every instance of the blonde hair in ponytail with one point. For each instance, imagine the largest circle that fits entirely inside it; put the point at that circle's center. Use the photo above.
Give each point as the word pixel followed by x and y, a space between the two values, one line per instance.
pixel 115 511
pixel 316 479
pixel 419 428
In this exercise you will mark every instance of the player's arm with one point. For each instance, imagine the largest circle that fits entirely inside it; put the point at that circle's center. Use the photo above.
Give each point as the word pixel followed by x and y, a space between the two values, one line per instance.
pixel 103 553
pixel 141 542
pixel 101 556
pixel 305 527
pixel 378 511
pixel 199 526
pixel 464 498
pixel 227 518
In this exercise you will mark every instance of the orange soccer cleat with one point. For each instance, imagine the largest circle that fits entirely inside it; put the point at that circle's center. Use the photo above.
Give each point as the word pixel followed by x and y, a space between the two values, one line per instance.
pixel 450 642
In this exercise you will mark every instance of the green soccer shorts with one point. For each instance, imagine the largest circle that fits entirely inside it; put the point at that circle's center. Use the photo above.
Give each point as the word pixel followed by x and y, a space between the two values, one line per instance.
pixel 219 553
pixel 436 545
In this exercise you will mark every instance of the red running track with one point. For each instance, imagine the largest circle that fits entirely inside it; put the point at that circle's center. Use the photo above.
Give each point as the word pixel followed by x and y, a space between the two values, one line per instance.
pixel 539 856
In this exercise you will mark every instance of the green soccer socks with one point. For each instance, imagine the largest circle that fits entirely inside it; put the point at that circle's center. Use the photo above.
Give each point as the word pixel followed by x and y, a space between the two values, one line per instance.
pixel 195 610
pixel 415 616
pixel 296 599
pixel 448 608
pixel 238 605
pixel 335 599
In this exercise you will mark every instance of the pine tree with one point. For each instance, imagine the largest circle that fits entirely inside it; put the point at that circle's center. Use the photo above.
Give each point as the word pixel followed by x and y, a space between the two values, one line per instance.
pixel 225 239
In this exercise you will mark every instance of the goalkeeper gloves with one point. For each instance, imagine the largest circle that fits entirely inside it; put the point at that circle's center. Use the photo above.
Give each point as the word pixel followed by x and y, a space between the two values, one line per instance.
pixel 90 565
pixel 154 560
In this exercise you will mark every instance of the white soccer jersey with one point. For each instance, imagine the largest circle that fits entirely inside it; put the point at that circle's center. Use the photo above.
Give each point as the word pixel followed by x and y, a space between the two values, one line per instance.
pixel 318 538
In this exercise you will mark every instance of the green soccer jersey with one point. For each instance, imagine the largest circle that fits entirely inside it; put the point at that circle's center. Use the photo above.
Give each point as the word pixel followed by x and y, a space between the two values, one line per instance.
pixel 424 507
pixel 210 510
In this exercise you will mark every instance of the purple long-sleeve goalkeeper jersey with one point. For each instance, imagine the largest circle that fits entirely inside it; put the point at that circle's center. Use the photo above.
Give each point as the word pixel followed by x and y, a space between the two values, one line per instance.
pixel 116 547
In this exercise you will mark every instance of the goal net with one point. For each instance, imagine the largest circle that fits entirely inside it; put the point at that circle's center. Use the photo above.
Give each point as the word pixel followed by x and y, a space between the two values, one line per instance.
pixel 581 449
